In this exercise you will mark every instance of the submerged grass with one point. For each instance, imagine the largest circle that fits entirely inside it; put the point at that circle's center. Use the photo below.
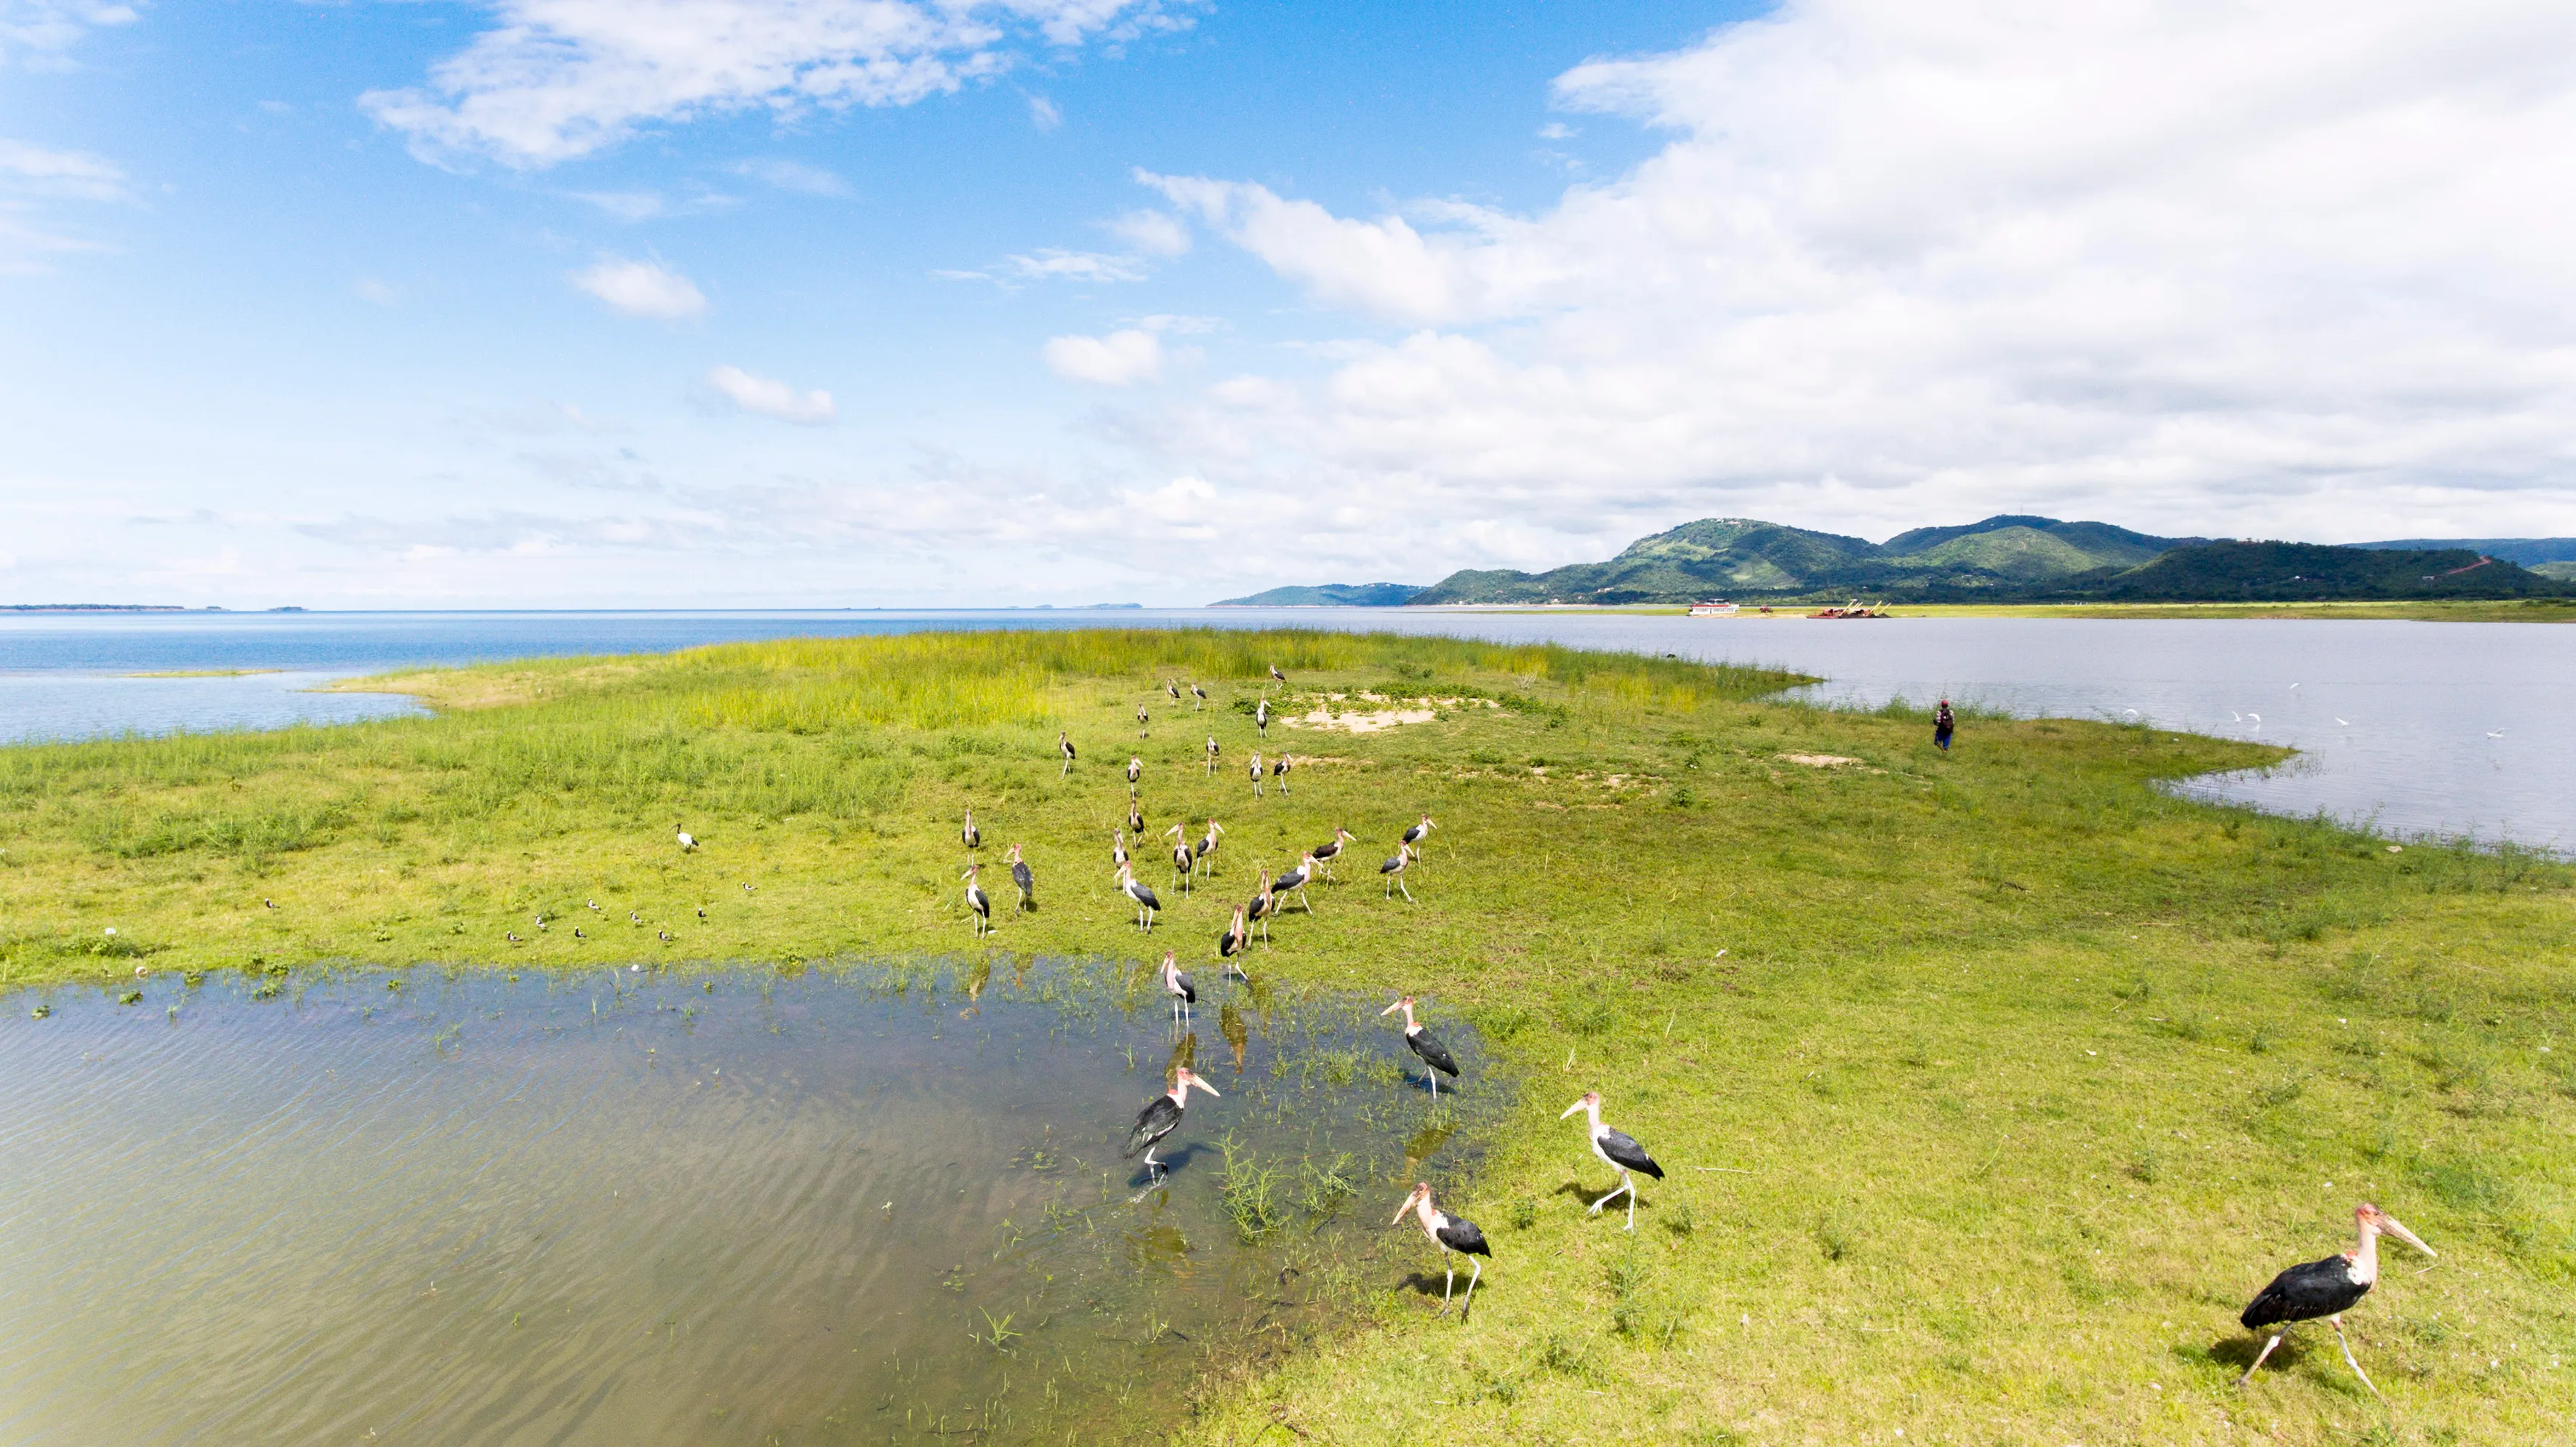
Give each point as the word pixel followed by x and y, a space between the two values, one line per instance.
pixel 1988 1085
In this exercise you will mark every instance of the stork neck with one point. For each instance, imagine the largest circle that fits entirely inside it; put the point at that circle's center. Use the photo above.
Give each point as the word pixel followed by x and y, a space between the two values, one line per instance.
pixel 2365 1255
pixel 1430 1219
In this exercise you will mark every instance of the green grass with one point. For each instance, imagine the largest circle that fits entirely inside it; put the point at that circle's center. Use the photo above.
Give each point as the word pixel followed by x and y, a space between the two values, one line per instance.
pixel 1990 1085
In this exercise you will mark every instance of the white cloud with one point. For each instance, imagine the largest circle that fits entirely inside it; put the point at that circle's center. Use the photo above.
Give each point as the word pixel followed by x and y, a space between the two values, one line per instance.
pixel 1050 264
pixel 776 400
pixel 562 78
pixel 1155 233
pixel 1119 359
pixel 642 289
pixel 369 289
pixel 2305 268
pixel 793 176
pixel 62 173
pixel 38 32
pixel 1044 114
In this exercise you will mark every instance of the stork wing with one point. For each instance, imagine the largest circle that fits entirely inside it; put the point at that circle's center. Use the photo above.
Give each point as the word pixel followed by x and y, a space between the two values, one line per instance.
pixel 1189 991
pixel 1153 1123
pixel 2304 1293
pixel 1623 1149
pixel 1463 1236
pixel 1435 1054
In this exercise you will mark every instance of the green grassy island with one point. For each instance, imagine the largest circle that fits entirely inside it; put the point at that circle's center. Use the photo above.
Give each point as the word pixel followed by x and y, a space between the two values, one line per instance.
pixel 1990 1085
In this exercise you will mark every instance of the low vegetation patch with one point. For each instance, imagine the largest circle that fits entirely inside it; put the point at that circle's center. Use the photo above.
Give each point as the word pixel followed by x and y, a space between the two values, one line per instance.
pixel 1988 1086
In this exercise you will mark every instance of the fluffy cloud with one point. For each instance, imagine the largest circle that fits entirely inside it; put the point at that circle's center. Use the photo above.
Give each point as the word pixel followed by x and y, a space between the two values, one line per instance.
pixel 38 32
pixel 1120 359
pixel 562 78
pixel 2302 268
pixel 61 173
pixel 793 176
pixel 1155 233
pixel 763 397
pixel 642 289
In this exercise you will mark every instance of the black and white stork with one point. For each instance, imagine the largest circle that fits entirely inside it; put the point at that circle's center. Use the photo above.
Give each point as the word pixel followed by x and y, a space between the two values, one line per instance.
pixel 1146 903
pixel 1449 1234
pixel 1234 941
pixel 1199 694
pixel 1295 882
pixel 1419 832
pixel 1331 849
pixel 1263 906
pixel 1161 1116
pixel 1276 676
pixel 1135 816
pixel 1140 720
pixel 2327 1288
pixel 1256 773
pixel 1212 753
pixel 1182 859
pixel 1117 847
pixel 1617 1150
pixel 1425 1045
pixel 1279 768
pixel 1179 987
pixel 1394 869
pixel 1204 855
pixel 1064 746
pixel 1172 686
pixel 972 836
pixel 1023 881
pixel 688 842
pixel 978 903
pixel 1261 716
pixel 1135 769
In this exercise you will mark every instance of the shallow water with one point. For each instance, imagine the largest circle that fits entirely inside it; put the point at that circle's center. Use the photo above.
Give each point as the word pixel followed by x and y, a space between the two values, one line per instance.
pixel 2421 728
pixel 846 1206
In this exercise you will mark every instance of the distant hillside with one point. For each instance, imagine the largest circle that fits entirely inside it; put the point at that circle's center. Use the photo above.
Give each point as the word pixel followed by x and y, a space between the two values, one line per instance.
pixel 2529 552
pixel 2002 556
pixel 1329 595
pixel 2311 572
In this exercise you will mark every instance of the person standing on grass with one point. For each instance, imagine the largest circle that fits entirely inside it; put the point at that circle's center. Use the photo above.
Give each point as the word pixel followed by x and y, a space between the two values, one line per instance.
pixel 1943 724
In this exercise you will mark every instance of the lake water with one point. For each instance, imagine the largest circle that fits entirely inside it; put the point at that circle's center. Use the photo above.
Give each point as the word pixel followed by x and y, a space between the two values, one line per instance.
pixel 2420 728
pixel 616 1208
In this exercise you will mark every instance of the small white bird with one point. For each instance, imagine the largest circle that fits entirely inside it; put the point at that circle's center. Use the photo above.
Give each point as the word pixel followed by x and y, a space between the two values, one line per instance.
pixel 594 904
pixel 2238 717
pixel 688 844
pixel 2258 719
pixel 2344 722
pixel 2495 733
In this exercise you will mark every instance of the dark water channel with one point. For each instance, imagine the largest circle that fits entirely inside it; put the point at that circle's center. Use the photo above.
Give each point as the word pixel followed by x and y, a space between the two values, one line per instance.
pixel 843 1205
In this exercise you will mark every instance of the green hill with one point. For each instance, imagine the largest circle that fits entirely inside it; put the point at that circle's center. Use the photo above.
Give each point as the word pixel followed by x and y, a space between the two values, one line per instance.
pixel 1328 595
pixel 2311 572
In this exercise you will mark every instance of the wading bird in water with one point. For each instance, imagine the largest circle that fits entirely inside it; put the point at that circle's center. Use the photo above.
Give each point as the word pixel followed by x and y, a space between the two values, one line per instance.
pixel 978 903
pixel 1064 746
pixel 1425 1045
pixel 1161 1116
pixel 2327 1288
pixel 1179 987
pixel 1236 938
pixel 1393 869
pixel 1023 881
pixel 973 836
pixel 1146 903
pixel 1449 1234
pixel 1617 1150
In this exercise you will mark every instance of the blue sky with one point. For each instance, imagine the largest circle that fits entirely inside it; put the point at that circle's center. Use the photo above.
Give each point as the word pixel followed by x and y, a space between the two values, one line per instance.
pixel 871 302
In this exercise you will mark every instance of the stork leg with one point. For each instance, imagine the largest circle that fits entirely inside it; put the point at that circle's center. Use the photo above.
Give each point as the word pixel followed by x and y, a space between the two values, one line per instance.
pixel 2261 1356
pixel 1476 1270
pixel 1626 1185
pixel 1451 1284
pixel 1408 892
pixel 1435 1083
pixel 2337 1319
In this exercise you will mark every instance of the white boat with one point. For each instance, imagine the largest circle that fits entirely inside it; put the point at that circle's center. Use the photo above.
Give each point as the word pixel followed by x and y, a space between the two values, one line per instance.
pixel 1717 609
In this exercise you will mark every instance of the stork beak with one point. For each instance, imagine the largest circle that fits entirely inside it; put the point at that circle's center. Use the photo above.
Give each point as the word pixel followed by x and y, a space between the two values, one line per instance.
pixel 1391 1009
pixel 1198 1084
pixel 1569 1110
pixel 1414 1195
pixel 2390 1224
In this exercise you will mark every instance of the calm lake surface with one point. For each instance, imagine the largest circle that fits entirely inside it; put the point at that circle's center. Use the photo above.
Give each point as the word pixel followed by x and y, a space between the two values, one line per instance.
pixel 2419 728
pixel 846 1206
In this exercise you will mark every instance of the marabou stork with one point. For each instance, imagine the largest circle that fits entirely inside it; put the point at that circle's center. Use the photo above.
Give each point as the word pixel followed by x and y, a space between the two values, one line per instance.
pixel 973 837
pixel 1200 694
pixel 1064 746
pixel 1023 881
pixel 688 842
pixel 1279 773
pixel 1182 860
pixel 1331 849
pixel 1276 676
pixel 1146 903
pixel 2327 1288
pixel 1617 1150
pixel 1449 1234
pixel 1135 770
pixel 1418 833
pixel 1261 716
pixel 1425 1045
pixel 1203 855
pixel 1161 1116
pixel 1172 686
pixel 1237 938
pixel 1296 880
pixel 1117 847
pixel 1393 869
pixel 1140 720
pixel 1135 817
pixel 1263 906
pixel 978 903
pixel 1256 773
pixel 1212 751
pixel 1178 986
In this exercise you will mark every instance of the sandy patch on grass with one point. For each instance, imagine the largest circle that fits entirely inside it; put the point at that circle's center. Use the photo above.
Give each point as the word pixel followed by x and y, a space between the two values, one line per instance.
pixel 1817 761
pixel 1360 723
